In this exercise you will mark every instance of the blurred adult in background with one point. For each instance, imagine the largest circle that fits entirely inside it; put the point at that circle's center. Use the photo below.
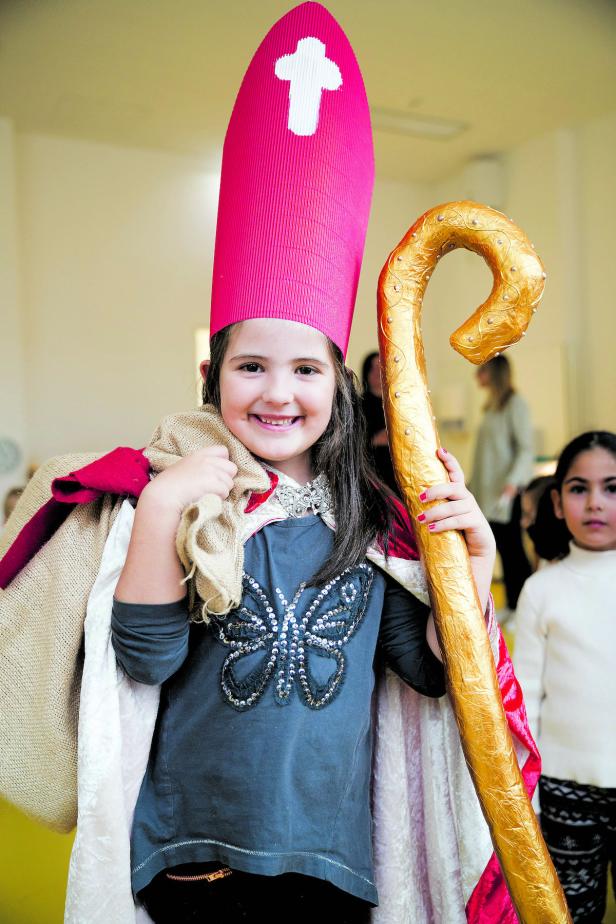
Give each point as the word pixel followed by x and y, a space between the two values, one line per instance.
pixel 502 466
pixel 376 434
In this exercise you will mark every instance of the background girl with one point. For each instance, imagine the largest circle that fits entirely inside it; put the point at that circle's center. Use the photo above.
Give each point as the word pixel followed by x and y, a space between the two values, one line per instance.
pixel 565 641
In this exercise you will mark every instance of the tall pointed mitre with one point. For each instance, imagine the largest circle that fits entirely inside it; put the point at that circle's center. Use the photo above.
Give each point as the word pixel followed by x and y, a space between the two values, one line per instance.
pixel 296 185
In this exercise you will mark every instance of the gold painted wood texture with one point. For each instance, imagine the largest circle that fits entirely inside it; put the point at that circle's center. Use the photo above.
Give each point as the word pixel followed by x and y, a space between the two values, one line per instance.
pixel 471 677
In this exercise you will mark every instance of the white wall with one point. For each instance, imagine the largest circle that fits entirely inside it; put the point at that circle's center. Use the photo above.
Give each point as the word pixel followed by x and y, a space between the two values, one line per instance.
pixel 561 189
pixel 395 207
pixel 13 424
pixel 597 147
pixel 106 270
pixel 117 252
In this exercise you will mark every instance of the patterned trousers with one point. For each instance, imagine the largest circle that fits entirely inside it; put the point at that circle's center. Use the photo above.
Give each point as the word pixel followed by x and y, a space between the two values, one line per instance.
pixel 579 827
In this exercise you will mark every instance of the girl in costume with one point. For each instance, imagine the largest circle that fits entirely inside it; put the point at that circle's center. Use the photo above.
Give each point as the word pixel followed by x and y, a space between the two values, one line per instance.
pixel 258 757
pixel 564 658
pixel 259 774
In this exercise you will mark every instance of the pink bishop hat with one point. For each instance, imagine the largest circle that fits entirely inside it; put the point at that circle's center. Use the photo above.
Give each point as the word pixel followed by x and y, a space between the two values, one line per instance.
pixel 296 185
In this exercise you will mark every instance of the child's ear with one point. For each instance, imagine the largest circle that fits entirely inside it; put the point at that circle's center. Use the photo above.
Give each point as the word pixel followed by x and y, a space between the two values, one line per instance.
pixel 558 507
pixel 204 366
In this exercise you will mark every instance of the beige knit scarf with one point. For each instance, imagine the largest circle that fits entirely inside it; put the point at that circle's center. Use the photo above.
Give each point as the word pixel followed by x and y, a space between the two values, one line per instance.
pixel 209 537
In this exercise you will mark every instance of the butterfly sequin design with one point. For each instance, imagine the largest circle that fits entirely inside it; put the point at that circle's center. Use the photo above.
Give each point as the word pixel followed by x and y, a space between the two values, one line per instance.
pixel 290 634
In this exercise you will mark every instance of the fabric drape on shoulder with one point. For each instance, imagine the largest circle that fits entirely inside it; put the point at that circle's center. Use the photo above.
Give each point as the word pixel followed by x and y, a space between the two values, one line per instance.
pixel 41 656
pixel 51 553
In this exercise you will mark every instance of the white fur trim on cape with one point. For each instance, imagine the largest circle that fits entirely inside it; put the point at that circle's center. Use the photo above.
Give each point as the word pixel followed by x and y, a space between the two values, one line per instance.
pixel 431 842
pixel 116 723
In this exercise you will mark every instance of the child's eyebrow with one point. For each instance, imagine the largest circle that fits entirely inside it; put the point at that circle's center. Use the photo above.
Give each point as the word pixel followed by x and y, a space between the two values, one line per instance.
pixel 585 480
pixel 298 359
pixel 311 359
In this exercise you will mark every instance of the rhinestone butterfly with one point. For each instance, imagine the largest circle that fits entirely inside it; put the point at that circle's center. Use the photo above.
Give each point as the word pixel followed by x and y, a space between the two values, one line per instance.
pixel 290 634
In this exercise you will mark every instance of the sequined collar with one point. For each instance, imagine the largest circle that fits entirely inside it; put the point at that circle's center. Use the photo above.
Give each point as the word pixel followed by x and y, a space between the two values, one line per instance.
pixel 298 500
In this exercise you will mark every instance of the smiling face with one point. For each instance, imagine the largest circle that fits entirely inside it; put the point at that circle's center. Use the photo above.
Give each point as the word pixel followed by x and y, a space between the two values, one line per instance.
pixel 587 500
pixel 277 384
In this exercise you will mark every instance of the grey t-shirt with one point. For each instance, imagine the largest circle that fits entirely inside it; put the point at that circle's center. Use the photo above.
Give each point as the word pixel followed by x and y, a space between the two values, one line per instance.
pixel 261 757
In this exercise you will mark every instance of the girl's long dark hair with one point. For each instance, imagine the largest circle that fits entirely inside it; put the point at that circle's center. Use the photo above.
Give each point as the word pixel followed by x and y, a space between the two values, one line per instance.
pixel 550 535
pixel 362 505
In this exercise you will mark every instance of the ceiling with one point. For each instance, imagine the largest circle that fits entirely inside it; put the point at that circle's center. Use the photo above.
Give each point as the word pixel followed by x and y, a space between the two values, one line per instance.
pixel 163 74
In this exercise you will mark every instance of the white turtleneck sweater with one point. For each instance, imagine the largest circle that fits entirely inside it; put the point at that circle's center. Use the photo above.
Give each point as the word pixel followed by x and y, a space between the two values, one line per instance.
pixel 565 660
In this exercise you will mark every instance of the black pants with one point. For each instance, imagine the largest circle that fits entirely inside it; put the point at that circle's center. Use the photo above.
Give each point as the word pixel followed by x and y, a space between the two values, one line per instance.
pixel 191 896
pixel 516 567
pixel 579 827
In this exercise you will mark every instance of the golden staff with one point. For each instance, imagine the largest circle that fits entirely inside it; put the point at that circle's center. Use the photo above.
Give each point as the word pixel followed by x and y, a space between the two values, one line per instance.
pixel 460 624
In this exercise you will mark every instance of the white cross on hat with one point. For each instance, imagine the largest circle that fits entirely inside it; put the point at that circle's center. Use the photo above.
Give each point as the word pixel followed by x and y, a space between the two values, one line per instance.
pixel 309 73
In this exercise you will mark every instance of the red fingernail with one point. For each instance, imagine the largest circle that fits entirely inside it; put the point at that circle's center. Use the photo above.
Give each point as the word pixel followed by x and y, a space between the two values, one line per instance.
pixel 421 517
pixel 423 495
pixel 431 525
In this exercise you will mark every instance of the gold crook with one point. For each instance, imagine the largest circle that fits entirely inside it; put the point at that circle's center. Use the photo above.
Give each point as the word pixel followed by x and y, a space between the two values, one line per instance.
pixel 473 687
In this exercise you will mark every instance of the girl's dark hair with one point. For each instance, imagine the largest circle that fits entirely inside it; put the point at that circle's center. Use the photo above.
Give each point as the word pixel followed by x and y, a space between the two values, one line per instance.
pixel 499 374
pixel 550 534
pixel 536 486
pixel 365 371
pixel 362 505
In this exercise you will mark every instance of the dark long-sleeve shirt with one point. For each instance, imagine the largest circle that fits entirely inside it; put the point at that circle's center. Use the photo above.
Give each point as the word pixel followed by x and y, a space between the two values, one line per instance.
pixel 262 753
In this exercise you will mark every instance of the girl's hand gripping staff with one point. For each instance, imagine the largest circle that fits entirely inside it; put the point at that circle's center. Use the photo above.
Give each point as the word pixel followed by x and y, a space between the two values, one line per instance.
pixel 472 683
